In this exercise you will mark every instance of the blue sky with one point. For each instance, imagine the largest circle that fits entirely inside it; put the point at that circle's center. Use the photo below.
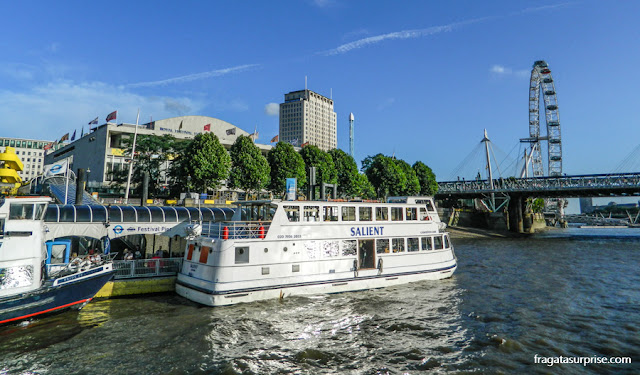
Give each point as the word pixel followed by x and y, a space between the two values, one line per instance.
pixel 423 78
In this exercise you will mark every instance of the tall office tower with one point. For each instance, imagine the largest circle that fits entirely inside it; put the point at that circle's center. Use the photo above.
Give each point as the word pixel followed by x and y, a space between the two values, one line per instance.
pixel 307 117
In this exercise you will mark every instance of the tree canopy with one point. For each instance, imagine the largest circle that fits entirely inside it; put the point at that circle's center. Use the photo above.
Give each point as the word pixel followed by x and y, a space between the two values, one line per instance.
pixel 347 173
pixel 412 186
pixel 426 177
pixel 385 175
pixel 204 163
pixel 325 169
pixel 285 163
pixel 250 170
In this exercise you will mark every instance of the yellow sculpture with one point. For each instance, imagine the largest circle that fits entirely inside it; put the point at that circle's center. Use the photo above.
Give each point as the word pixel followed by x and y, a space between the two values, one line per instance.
pixel 10 165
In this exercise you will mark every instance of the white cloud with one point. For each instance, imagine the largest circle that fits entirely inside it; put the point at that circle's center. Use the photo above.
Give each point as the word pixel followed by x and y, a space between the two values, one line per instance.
pixel 272 109
pixel 196 76
pixel 51 110
pixel 406 34
pixel 504 71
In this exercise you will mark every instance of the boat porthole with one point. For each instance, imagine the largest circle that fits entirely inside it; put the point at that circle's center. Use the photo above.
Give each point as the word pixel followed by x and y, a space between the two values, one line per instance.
pixel 284 248
pixel 241 251
pixel 266 250
pixel 210 250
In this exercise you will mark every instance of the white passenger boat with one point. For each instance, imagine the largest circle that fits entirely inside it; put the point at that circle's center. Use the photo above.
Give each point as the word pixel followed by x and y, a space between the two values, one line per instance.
pixel 273 249
pixel 38 277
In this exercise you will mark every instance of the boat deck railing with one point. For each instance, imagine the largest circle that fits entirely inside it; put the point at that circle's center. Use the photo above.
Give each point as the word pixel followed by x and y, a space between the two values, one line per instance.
pixel 139 268
pixel 236 229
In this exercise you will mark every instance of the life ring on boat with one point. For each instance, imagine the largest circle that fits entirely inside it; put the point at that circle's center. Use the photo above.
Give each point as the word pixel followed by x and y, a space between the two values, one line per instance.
pixel 427 218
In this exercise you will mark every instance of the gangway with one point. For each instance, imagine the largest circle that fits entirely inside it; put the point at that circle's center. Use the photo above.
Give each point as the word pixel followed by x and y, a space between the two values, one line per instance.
pixel 98 221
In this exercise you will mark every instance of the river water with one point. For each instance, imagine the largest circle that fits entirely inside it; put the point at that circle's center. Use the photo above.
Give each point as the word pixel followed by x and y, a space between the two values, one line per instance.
pixel 571 293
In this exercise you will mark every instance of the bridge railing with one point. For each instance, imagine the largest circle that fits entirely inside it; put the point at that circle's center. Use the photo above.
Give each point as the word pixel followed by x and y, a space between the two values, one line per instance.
pixel 128 269
pixel 623 180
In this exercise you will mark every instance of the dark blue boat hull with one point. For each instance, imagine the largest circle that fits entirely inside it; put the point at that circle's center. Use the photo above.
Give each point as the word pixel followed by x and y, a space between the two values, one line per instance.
pixel 48 299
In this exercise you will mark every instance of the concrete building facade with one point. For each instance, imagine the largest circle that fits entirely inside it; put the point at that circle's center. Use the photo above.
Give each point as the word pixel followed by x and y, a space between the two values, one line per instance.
pixel 102 151
pixel 308 117
pixel 31 153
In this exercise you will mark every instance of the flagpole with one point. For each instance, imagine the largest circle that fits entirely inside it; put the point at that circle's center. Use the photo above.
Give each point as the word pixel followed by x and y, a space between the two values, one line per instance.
pixel 133 154
pixel 66 185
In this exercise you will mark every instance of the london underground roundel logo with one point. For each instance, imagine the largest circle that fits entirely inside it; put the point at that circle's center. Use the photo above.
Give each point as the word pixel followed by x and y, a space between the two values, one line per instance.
pixel 55 169
pixel 118 229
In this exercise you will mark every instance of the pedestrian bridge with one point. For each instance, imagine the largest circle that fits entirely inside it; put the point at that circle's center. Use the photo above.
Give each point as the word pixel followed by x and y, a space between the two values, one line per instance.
pixel 98 221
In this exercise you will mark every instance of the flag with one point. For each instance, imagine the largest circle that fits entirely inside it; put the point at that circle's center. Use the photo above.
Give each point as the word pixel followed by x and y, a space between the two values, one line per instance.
pixel 305 144
pixel 48 145
pixel 274 139
pixel 94 121
pixel 73 137
pixel 112 116
pixel 231 131
pixel 56 168
pixel 64 138
pixel 207 127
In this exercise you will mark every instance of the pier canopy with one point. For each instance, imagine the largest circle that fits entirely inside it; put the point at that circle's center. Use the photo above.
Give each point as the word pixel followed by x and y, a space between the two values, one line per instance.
pixel 57 213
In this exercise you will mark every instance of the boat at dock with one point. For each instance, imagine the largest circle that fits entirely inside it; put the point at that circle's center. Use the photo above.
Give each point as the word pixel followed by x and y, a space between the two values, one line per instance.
pixel 275 249
pixel 39 277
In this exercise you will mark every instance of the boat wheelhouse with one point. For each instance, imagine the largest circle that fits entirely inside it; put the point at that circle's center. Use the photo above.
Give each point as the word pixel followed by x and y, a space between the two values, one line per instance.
pixel 272 249
pixel 38 277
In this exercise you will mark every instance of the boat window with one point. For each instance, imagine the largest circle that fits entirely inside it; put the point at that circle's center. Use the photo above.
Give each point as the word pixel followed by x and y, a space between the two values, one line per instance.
pixel 195 213
pixel 349 247
pixel 446 242
pixel 41 209
pixel 412 244
pixel 426 243
pixel 365 213
pixel 330 213
pixel 396 213
pixel 242 255
pixel 311 213
pixel 382 213
pixel 20 211
pixel 67 214
pixel 293 213
pixel 437 241
pixel 411 213
pixel 398 245
pixel 382 245
pixel 423 213
pixel 430 206
pixel 348 213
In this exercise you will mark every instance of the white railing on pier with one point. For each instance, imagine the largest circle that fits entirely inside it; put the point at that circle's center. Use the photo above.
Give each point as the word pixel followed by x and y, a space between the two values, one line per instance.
pixel 127 269
pixel 236 229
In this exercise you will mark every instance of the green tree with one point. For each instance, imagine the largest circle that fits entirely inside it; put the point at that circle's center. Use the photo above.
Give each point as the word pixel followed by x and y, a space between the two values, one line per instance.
pixel 428 184
pixel 153 154
pixel 347 172
pixel 204 163
pixel 364 189
pixel 285 163
pixel 537 205
pixel 250 170
pixel 412 187
pixel 325 169
pixel 385 175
